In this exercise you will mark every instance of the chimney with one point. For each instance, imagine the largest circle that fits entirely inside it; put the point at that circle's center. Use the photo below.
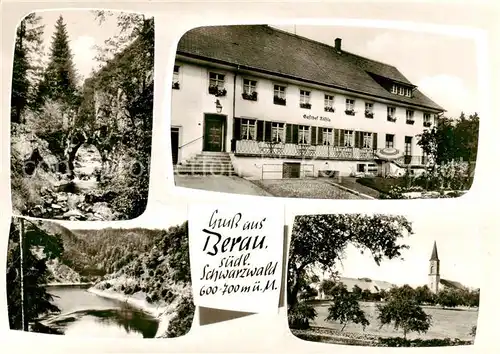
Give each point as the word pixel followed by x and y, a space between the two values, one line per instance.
pixel 338 44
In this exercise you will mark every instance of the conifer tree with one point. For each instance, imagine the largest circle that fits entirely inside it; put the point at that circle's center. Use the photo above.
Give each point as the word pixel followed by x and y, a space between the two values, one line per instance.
pixel 28 42
pixel 35 300
pixel 59 82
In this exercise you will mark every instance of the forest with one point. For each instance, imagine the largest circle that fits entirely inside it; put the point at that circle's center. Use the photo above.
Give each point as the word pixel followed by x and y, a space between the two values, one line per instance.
pixel 80 147
pixel 153 262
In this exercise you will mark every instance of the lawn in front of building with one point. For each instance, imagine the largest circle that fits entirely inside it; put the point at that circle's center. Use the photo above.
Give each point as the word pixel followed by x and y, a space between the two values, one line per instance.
pixel 304 188
pixel 223 184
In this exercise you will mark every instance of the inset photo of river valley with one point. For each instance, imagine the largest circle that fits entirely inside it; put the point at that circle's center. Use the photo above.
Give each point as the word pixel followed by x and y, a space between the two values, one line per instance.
pixel 109 282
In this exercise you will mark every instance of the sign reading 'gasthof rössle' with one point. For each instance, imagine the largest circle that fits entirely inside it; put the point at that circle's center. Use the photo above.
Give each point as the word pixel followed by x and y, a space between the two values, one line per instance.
pixel 236 256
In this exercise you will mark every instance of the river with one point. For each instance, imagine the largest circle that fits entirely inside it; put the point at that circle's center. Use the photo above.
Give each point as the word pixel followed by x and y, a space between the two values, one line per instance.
pixel 87 314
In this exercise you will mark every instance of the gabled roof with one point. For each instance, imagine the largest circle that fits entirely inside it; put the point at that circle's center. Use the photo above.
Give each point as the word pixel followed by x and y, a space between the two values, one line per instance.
pixel 269 50
pixel 434 255
pixel 374 286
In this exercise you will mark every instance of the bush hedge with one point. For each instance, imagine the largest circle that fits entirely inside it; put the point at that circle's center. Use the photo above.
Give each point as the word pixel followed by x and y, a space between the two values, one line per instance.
pixel 401 342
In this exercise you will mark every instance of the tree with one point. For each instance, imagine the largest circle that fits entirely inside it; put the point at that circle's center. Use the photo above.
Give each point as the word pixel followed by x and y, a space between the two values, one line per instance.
pixel 319 241
pixel 59 79
pixel 345 308
pixel 366 295
pixel 356 290
pixel 449 298
pixel 327 286
pixel 36 301
pixel 28 43
pixel 452 139
pixel 423 295
pixel 404 312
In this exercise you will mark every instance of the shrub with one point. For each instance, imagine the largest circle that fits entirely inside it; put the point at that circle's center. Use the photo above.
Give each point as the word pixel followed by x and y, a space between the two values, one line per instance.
pixel 181 323
pixel 402 342
pixel 300 315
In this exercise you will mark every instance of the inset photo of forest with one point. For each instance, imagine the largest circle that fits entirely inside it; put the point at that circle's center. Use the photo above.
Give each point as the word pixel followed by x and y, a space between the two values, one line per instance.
pixel 110 282
pixel 81 115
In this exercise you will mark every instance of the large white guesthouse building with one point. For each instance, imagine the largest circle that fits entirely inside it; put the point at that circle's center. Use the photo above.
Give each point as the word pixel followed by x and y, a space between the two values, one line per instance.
pixel 271 104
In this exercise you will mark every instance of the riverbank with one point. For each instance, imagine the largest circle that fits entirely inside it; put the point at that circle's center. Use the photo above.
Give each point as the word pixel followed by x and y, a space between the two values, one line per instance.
pixel 162 313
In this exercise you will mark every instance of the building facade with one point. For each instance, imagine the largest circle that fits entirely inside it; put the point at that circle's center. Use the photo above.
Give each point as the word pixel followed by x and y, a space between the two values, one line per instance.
pixel 434 274
pixel 282 105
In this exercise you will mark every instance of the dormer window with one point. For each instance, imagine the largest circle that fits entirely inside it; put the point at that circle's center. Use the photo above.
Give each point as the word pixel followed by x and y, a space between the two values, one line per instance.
pixel 401 90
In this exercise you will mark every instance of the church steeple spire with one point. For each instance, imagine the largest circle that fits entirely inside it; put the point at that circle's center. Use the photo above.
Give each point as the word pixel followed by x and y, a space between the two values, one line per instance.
pixel 434 276
pixel 434 255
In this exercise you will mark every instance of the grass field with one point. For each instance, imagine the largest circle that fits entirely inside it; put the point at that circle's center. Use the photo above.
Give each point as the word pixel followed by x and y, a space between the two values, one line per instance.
pixel 303 188
pixel 445 323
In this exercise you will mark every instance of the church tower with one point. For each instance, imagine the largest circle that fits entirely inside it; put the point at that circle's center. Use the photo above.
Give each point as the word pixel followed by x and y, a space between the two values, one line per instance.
pixel 434 276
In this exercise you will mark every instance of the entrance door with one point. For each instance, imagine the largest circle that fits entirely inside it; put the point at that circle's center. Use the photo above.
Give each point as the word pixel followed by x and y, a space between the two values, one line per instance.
pixel 174 139
pixel 291 170
pixel 214 133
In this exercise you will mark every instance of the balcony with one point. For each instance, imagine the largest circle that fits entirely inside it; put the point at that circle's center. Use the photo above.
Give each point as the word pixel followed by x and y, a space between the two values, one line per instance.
pixel 253 148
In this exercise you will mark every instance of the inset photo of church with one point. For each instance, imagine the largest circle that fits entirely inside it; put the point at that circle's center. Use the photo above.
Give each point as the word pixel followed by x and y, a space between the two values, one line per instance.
pixel 324 112
pixel 383 280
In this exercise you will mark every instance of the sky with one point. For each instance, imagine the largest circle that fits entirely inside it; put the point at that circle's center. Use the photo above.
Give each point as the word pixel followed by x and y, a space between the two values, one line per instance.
pixel 84 33
pixel 459 250
pixel 443 67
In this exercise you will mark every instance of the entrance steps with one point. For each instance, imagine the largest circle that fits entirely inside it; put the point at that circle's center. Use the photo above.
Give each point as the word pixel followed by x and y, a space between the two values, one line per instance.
pixel 207 163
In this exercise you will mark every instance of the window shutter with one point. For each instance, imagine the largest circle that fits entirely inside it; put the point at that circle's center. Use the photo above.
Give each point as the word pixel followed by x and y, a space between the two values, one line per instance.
pixel 313 135
pixel 358 140
pixel 374 139
pixel 267 131
pixel 260 130
pixel 237 129
pixel 295 134
pixel 320 136
pixel 336 137
pixel 341 137
pixel 288 137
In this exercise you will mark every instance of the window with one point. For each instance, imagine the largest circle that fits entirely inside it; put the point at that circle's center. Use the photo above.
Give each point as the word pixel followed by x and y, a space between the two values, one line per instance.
pixel 409 116
pixel 408 140
pixel 329 103
pixel 217 80
pixel 216 84
pixel 367 140
pixel 248 129
pixel 349 104
pixel 401 90
pixel 304 134
pixel 391 111
pixel 280 95
pixel 368 110
pixel 249 92
pixel 427 120
pixel 327 136
pixel 348 138
pixel 389 140
pixel 175 78
pixel 278 132
pixel 305 99
pixel 249 86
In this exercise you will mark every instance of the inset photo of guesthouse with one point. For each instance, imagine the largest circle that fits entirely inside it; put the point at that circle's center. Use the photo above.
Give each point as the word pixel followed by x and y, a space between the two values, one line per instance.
pixel 324 112
pixel 383 280
pixel 82 115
